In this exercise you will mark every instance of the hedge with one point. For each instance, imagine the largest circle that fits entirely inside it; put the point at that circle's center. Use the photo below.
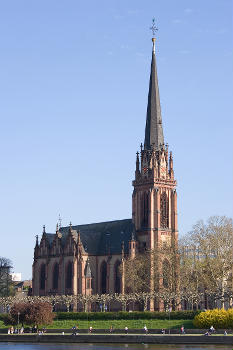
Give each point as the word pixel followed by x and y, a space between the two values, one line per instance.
pixel 219 318
pixel 136 315
pixel 5 318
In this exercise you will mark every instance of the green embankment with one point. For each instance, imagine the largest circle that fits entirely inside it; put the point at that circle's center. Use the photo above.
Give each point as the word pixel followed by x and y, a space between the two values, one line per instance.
pixel 119 324
pixel 119 320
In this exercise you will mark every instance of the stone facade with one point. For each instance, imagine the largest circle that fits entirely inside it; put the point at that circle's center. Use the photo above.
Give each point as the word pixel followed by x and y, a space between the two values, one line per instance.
pixel 85 259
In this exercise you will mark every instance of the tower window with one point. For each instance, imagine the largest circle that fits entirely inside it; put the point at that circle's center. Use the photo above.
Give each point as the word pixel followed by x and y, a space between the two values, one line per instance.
pixel 164 210
pixel 145 209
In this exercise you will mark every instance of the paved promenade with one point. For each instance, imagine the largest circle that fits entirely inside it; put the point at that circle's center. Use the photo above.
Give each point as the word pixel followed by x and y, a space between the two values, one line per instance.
pixel 118 338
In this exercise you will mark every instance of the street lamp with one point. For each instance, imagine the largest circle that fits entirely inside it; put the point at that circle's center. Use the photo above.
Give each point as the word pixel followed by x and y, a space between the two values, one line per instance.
pixel 18 321
pixel 170 309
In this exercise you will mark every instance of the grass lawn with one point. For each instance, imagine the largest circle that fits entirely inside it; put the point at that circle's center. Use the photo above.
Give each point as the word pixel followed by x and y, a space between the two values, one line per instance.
pixel 105 324
pixel 136 324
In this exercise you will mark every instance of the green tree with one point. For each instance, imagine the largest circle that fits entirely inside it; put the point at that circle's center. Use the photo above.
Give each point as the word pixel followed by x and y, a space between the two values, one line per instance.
pixel 6 283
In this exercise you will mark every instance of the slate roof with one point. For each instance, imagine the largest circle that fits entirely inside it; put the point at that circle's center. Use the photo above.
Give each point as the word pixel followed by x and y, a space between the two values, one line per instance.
pixel 154 128
pixel 50 237
pixel 100 238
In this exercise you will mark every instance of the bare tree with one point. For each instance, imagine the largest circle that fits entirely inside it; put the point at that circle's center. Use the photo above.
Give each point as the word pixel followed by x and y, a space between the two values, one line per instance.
pixel 206 260
pixel 165 260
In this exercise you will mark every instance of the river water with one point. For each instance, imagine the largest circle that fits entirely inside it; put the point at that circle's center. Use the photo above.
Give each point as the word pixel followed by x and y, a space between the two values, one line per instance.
pixel 20 346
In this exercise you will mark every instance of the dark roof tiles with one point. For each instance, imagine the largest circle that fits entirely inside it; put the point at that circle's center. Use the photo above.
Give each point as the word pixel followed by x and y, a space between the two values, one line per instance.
pixel 100 238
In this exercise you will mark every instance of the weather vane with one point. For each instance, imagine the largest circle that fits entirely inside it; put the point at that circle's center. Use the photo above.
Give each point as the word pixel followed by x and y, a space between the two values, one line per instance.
pixel 153 28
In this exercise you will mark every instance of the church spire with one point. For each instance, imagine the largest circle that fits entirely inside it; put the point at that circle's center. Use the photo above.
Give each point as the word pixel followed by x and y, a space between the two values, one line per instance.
pixel 154 128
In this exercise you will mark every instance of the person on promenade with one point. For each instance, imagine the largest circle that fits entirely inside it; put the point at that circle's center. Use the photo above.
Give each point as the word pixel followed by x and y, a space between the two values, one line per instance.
pixel 163 331
pixel 225 332
pixel 90 329
pixel 182 331
pixel 126 330
pixel 111 329
pixel 212 329
pixel 145 329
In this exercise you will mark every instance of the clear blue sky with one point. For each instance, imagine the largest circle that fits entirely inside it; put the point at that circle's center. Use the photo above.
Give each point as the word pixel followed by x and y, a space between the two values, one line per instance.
pixel 74 80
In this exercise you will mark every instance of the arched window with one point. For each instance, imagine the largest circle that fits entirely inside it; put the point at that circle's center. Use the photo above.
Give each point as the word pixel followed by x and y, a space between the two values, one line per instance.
pixel 117 277
pixel 55 276
pixel 164 210
pixel 145 208
pixel 166 274
pixel 42 277
pixel 103 274
pixel 69 275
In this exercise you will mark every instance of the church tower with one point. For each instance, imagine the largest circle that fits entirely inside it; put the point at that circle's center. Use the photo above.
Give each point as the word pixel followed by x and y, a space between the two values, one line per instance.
pixel 154 202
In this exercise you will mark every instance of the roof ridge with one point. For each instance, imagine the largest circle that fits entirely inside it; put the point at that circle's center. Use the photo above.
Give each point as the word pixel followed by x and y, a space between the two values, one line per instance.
pixel 96 223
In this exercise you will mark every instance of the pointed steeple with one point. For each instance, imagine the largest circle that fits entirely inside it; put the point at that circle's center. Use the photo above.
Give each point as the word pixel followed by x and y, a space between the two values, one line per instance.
pixel 154 128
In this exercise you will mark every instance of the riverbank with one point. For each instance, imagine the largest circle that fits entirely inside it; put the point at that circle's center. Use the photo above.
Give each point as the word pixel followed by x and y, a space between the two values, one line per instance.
pixel 119 338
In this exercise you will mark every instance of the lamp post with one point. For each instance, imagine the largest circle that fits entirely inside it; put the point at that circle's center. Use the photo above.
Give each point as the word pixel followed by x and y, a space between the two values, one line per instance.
pixel 18 321
pixel 169 310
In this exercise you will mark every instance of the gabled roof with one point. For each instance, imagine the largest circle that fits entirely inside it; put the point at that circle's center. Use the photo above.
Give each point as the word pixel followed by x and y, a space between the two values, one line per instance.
pixel 100 238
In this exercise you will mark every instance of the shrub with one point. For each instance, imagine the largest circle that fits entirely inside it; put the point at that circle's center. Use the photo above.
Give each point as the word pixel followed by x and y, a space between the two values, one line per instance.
pixel 7 320
pixel 219 318
pixel 17 312
pixel 39 313
pixel 36 313
pixel 122 315
pixel 230 318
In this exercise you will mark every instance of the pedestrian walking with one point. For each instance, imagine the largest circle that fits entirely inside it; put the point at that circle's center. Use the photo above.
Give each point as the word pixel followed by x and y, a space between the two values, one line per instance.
pixel 126 330
pixel 145 329
pixel 182 331
pixel 212 329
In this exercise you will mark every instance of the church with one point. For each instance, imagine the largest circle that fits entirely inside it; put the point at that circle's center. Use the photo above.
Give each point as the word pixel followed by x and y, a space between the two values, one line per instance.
pixel 85 259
